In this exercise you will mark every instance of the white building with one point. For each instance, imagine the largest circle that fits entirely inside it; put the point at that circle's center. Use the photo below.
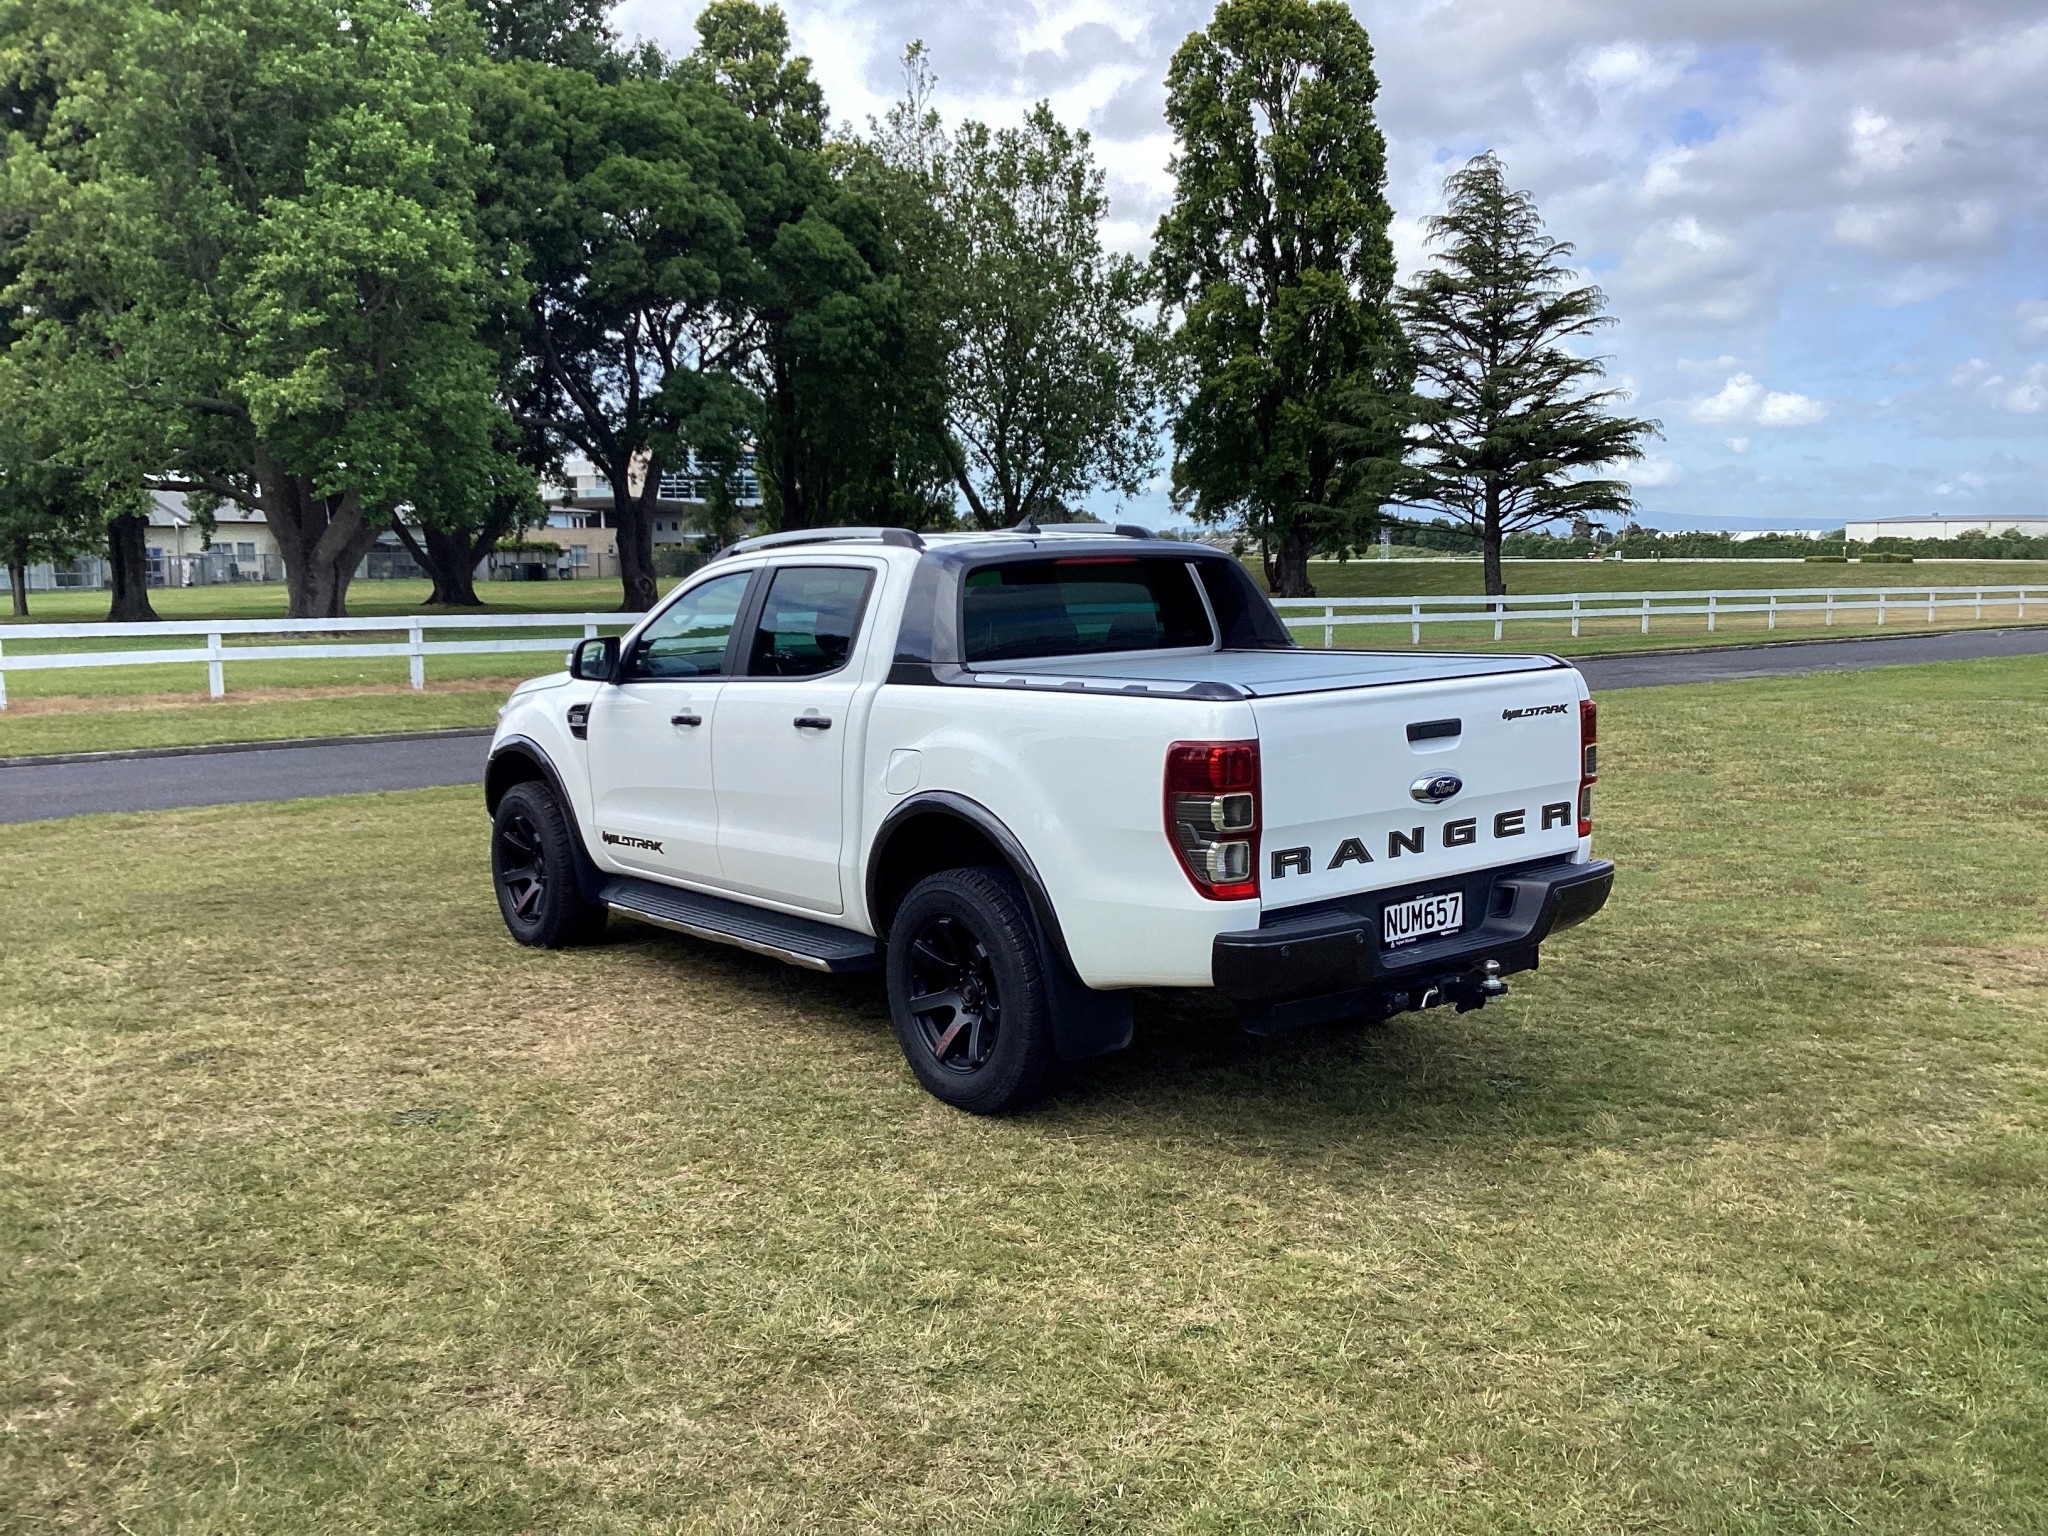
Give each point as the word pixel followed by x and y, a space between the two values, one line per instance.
pixel 580 516
pixel 1942 527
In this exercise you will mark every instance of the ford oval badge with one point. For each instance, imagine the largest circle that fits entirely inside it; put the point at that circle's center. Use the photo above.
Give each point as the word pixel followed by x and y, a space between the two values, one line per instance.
pixel 1437 788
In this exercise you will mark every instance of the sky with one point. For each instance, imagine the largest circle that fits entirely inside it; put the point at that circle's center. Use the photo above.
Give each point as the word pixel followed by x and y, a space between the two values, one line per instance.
pixel 1819 223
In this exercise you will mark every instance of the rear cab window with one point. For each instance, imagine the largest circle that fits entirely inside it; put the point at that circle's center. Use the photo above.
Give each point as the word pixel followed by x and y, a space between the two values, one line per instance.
pixel 1083 605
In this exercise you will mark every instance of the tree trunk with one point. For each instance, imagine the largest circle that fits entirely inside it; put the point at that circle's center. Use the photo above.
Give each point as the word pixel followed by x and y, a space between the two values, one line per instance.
pixel 635 536
pixel 128 566
pixel 798 508
pixel 17 586
pixel 1290 562
pixel 322 538
pixel 450 556
pixel 1489 545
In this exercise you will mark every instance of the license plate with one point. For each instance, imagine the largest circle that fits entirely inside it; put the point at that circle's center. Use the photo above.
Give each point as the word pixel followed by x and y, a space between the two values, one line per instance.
pixel 1403 922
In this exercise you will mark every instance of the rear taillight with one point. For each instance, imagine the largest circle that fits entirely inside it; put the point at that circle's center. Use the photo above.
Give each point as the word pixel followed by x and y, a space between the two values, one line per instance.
pixel 1212 815
pixel 1589 762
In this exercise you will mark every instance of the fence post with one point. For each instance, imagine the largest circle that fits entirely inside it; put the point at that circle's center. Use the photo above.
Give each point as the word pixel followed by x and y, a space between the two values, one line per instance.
pixel 1711 599
pixel 1980 602
pixel 1575 618
pixel 1499 618
pixel 1329 628
pixel 1646 615
pixel 590 631
pixel 1831 607
pixel 2023 602
pixel 1772 621
pixel 416 643
pixel 1881 595
pixel 1930 605
pixel 1415 622
pixel 3 680
pixel 216 679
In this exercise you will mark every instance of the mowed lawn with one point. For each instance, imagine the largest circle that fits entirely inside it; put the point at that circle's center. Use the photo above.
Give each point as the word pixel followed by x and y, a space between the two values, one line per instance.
pixel 325 1207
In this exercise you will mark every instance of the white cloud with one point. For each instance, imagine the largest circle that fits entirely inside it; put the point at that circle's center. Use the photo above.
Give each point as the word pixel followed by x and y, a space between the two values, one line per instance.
pixel 1654 471
pixel 1743 399
pixel 2026 395
pixel 2034 319
pixel 1782 408
pixel 1738 445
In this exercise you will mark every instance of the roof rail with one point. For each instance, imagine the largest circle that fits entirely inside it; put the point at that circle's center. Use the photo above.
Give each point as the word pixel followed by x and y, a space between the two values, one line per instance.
pixel 900 538
pixel 1030 525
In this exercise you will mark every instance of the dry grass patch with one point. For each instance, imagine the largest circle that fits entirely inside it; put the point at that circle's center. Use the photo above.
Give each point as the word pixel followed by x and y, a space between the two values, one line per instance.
pixel 325 1206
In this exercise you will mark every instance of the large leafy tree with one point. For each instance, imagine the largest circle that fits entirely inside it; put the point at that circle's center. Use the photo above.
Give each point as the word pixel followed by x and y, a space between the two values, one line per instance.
pixel 623 196
pixel 258 223
pixel 1275 259
pixel 1051 367
pixel 823 315
pixel 1510 428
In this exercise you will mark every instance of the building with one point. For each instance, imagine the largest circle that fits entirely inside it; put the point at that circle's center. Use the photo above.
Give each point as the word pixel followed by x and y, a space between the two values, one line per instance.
pixel 180 553
pixel 580 515
pixel 1943 527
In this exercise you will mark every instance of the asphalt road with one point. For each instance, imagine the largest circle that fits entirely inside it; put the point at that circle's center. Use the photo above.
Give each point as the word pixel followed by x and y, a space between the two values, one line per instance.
pixel 41 792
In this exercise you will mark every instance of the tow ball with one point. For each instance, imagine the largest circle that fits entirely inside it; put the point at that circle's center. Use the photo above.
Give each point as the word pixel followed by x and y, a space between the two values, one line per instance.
pixel 1488 987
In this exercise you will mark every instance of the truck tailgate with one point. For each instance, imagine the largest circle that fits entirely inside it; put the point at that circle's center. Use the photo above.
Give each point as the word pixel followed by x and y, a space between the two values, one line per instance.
pixel 1356 792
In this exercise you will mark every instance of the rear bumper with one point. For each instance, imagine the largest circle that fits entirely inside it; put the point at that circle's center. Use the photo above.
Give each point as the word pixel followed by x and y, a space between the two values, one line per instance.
pixel 1304 966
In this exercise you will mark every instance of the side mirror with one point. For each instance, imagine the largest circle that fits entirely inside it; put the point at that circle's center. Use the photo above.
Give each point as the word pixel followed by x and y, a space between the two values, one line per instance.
pixel 595 661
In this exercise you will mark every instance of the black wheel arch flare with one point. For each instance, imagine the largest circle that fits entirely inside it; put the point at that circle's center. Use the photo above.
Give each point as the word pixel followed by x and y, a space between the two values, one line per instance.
pixel 1085 1022
pixel 522 760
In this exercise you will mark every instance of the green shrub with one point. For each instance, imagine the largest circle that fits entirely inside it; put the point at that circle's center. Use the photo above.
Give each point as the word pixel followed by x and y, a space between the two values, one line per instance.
pixel 1827 559
pixel 1884 559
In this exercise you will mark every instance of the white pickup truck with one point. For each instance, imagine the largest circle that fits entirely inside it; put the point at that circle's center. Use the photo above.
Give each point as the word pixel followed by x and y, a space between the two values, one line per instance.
pixel 1023 773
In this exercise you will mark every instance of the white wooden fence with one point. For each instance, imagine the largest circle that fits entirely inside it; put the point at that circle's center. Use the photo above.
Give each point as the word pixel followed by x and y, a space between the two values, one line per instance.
pixel 345 636
pixel 410 640
pixel 1797 604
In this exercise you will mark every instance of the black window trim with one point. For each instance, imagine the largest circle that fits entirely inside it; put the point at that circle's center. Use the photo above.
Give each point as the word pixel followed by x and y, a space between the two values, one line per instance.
pixel 756 602
pixel 631 652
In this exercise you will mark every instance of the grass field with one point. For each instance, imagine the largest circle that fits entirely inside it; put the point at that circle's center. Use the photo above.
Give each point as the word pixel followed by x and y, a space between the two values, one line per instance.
pixel 366 600
pixel 325 1207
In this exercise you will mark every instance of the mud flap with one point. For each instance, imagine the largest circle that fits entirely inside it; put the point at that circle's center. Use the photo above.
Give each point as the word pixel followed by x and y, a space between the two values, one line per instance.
pixel 1085 1022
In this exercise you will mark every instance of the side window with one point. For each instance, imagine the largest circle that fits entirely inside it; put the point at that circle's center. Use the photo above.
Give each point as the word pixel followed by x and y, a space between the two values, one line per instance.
pixel 689 638
pixel 808 621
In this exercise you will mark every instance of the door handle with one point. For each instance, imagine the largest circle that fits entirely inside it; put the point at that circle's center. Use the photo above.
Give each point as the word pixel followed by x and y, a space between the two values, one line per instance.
pixel 814 722
pixel 685 719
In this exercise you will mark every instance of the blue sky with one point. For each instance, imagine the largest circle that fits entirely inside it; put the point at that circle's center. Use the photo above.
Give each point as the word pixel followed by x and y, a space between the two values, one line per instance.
pixel 1819 224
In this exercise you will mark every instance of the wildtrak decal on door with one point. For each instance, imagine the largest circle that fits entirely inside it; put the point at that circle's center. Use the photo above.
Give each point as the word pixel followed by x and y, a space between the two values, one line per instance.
pixel 625 840
pixel 1462 832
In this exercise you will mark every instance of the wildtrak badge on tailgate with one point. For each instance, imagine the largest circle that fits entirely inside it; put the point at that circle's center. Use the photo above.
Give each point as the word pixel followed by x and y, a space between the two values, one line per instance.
pixel 1534 710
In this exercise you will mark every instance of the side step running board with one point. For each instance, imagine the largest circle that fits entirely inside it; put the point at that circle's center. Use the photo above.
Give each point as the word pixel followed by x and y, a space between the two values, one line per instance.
pixel 798 940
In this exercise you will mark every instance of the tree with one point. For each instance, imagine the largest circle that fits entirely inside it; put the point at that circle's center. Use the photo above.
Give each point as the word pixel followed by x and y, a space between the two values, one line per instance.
pixel 1507 435
pixel 259 236
pixel 822 314
pixel 47 512
pixel 622 197
pixel 1276 260
pixel 1050 384
pixel 569 33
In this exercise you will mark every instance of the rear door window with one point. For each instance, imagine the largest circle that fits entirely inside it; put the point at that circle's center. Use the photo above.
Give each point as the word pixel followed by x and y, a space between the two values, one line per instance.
pixel 1082 605
pixel 808 621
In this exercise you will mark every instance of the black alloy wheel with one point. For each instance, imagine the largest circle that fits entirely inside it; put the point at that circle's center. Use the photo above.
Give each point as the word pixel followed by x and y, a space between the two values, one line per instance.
pixel 955 996
pixel 534 869
pixel 968 990
pixel 520 865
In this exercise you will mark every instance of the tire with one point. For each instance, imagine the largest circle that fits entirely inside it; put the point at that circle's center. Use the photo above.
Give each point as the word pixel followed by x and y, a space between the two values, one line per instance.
pixel 965 946
pixel 533 870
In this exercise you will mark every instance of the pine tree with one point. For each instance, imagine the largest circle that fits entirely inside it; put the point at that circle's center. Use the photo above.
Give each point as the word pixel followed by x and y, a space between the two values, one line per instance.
pixel 1507 431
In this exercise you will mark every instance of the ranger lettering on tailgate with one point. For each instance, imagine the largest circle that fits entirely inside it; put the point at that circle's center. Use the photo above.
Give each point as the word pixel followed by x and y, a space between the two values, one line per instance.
pixel 1459 833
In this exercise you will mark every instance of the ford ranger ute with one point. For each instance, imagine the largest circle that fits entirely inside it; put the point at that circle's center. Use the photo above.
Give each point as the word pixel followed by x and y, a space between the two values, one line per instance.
pixel 1024 773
